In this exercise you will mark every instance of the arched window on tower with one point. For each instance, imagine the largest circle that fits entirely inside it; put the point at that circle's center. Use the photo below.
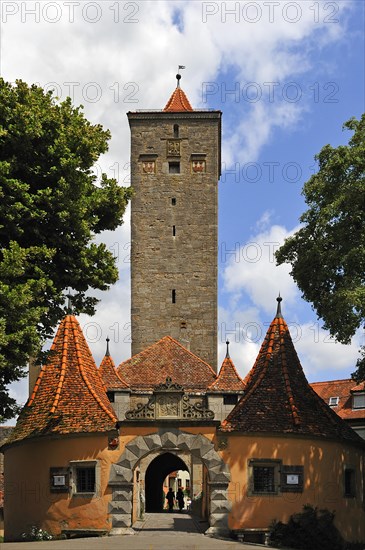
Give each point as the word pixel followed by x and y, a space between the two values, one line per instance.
pixel 176 130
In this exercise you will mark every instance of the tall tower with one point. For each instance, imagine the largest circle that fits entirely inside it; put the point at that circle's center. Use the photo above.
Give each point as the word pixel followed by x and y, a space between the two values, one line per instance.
pixel 175 168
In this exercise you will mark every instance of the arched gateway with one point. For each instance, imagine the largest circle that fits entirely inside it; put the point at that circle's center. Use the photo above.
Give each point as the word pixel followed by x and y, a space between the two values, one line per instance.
pixel 173 441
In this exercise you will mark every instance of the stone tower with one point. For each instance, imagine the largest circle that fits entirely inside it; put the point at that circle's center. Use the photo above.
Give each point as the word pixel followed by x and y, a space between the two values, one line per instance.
pixel 175 168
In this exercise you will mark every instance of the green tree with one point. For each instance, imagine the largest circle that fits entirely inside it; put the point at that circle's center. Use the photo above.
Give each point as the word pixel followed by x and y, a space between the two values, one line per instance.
pixel 51 208
pixel 327 253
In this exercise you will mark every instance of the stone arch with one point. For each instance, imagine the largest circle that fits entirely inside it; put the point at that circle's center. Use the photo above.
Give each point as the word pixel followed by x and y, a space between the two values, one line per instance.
pixel 121 476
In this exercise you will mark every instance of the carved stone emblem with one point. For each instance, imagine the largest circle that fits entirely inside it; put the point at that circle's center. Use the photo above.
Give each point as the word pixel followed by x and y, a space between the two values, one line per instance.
pixel 148 167
pixel 198 166
pixel 168 406
pixel 173 148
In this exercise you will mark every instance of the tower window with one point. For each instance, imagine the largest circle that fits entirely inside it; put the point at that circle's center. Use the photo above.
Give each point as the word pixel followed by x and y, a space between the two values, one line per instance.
pixel 176 130
pixel 174 167
pixel 173 296
pixel 173 201
pixel 174 230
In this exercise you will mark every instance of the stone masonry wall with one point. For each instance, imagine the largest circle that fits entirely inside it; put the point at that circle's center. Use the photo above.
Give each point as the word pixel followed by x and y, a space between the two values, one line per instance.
pixel 187 260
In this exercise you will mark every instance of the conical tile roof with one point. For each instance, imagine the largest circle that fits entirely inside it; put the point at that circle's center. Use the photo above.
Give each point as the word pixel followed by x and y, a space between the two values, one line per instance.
pixel 278 398
pixel 69 395
pixel 178 101
pixel 228 379
pixel 166 358
pixel 108 372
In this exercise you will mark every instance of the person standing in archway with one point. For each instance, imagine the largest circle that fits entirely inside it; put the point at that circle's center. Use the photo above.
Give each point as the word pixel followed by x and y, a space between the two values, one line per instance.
pixel 180 498
pixel 170 497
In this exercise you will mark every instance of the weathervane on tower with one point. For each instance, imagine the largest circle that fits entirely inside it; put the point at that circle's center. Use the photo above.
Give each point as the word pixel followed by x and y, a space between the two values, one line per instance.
pixel 178 76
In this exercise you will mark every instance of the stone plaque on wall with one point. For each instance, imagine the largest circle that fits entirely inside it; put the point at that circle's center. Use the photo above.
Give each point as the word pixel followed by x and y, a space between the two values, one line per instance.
pixel 168 406
pixel 148 166
pixel 173 148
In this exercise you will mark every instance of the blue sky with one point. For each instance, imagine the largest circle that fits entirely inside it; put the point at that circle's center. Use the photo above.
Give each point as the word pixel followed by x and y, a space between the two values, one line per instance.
pixel 286 75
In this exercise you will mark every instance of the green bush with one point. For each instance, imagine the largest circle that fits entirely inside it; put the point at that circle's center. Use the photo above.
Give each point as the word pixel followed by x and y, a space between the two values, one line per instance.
pixel 311 529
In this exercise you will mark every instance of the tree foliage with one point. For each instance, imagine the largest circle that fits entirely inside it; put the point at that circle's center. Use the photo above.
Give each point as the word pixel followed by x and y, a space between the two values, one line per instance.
pixel 51 208
pixel 327 254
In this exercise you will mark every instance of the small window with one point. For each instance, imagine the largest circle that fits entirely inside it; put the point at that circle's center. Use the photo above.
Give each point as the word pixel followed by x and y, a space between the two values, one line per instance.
pixel 174 230
pixel 358 401
pixel 173 201
pixel 230 399
pixel 174 167
pixel 173 296
pixel 179 482
pixel 187 484
pixel 333 401
pixel 264 476
pixel 349 482
pixel 176 130
pixel 85 477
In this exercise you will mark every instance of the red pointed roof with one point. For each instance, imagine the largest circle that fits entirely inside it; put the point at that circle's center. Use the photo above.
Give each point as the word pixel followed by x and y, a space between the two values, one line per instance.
pixel 278 397
pixel 178 101
pixel 166 358
pixel 228 379
pixel 69 395
pixel 110 376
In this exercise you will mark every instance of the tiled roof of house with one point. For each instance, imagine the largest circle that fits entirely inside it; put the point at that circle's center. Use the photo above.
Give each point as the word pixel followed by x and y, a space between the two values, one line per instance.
pixel 108 372
pixel 228 378
pixel 278 398
pixel 178 101
pixel 69 395
pixel 341 389
pixel 166 358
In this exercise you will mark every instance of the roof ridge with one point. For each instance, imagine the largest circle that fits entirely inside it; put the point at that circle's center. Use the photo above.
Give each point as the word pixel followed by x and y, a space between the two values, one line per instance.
pixel 191 353
pixel 63 364
pixel 331 381
pixel 83 373
pixel 293 408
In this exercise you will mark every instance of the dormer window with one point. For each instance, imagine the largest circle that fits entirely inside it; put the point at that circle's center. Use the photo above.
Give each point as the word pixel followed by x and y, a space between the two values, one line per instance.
pixel 333 401
pixel 358 401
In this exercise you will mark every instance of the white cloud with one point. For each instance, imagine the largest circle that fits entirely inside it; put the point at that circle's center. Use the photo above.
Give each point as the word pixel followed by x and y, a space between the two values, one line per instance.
pixel 253 270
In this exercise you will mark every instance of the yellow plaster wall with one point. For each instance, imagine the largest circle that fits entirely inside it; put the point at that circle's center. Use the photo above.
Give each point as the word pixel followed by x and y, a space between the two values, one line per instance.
pixel 323 463
pixel 27 468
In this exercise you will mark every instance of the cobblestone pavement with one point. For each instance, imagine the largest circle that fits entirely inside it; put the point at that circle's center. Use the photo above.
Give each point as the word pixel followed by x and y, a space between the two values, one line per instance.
pixel 172 531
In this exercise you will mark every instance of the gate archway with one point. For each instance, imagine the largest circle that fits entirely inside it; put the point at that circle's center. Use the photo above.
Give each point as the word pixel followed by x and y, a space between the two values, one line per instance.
pixel 168 440
pixel 158 469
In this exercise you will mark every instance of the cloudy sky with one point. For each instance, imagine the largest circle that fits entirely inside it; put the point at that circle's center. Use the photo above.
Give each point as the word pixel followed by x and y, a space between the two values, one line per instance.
pixel 286 75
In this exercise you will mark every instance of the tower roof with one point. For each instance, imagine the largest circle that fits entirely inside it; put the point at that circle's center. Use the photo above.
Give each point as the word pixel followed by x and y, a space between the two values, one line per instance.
pixel 110 376
pixel 278 397
pixel 178 101
pixel 166 358
pixel 69 395
pixel 228 379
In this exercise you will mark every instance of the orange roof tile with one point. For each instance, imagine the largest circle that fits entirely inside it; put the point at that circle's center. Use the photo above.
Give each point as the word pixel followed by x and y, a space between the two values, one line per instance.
pixel 166 358
pixel 178 101
pixel 69 395
pixel 278 397
pixel 341 389
pixel 228 378
pixel 110 376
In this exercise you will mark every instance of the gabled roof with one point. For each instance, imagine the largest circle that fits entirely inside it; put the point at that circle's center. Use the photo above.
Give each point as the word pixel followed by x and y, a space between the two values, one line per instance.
pixel 228 379
pixel 278 398
pixel 343 390
pixel 108 372
pixel 166 358
pixel 178 101
pixel 69 395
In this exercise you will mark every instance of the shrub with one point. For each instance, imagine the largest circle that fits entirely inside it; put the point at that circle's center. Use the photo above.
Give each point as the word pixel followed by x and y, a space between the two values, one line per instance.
pixel 311 529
